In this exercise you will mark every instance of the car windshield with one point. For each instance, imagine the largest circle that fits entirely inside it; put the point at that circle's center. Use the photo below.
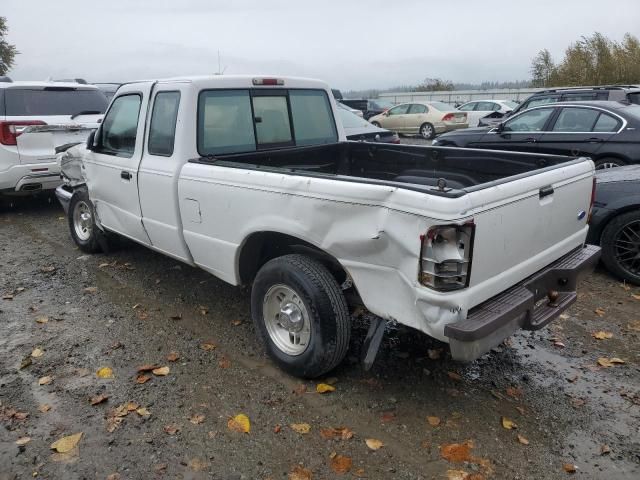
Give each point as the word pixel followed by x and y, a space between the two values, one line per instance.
pixel 381 104
pixel 53 101
pixel 442 107
pixel 351 120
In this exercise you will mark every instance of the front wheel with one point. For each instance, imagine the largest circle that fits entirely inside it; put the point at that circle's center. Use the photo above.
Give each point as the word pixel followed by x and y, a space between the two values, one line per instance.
pixel 427 131
pixel 620 244
pixel 301 315
pixel 603 163
pixel 82 225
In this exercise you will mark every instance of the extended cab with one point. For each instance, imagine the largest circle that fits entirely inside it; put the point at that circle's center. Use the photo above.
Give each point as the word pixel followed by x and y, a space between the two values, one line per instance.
pixel 251 179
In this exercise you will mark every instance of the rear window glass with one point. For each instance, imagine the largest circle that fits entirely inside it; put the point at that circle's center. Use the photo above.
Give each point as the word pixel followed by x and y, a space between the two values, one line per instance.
pixel 53 101
pixel 634 97
pixel 442 107
pixel 606 123
pixel 576 120
pixel 235 121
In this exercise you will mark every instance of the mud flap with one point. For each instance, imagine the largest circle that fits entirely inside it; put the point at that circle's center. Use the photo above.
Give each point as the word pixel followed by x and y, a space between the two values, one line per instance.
pixel 372 342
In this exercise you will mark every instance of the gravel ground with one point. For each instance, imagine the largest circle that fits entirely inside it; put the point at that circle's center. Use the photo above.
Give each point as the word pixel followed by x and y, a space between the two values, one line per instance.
pixel 135 307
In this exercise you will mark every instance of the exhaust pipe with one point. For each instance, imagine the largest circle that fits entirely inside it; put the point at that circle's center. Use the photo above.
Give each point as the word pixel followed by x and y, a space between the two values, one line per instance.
pixel 31 187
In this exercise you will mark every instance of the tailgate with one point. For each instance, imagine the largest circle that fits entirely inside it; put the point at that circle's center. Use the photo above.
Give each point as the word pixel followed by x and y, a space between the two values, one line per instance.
pixel 37 144
pixel 525 224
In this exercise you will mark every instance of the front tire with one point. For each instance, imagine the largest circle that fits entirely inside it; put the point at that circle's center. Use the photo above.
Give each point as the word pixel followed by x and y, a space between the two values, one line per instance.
pixel 301 315
pixel 82 224
pixel 427 131
pixel 620 244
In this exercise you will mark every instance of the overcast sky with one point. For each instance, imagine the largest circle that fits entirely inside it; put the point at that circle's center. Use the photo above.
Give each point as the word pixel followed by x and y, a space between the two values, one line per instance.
pixel 352 44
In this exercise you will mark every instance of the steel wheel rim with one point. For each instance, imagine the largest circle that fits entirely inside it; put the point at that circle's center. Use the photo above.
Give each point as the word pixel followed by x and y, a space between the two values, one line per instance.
pixel 627 247
pixel 602 166
pixel 287 320
pixel 427 131
pixel 82 220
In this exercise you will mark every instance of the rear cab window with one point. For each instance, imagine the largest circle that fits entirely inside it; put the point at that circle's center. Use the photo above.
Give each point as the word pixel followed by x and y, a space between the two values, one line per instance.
pixel 244 121
pixel 162 130
pixel 29 102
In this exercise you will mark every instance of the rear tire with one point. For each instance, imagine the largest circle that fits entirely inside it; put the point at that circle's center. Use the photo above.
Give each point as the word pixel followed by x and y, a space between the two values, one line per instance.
pixel 301 315
pixel 427 131
pixel 604 163
pixel 82 226
pixel 620 242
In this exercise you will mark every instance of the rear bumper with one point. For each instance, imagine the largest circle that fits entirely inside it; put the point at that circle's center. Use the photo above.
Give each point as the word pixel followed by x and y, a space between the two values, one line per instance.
pixel 450 126
pixel 30 178
pixel 64 194
pixel 530 305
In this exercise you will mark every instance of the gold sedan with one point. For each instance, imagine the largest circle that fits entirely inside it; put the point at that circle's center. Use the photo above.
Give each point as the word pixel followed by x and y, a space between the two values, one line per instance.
pixel 426 119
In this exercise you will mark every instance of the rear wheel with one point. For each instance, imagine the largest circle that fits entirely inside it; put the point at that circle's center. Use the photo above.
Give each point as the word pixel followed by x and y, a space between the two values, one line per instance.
pixel 82 225
pixel 427 131
pixel 620 244
pixel 301 314
pixel 603 163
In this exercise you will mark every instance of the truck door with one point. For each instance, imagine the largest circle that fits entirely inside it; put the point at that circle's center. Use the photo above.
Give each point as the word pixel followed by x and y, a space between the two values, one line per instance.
pixel 112 165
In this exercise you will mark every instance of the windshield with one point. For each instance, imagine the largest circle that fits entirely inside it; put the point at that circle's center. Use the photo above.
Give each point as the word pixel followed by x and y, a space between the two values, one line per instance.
pixel 443 107
pixel 351 120
pixel 53 101
pixel 381 104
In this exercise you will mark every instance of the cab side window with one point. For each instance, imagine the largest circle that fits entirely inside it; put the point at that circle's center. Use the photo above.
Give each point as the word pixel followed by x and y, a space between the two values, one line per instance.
pixel 162 130
pixel 120 125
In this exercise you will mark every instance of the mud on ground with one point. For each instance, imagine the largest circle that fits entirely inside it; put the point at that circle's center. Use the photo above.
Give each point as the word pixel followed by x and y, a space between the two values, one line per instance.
pixel 135 307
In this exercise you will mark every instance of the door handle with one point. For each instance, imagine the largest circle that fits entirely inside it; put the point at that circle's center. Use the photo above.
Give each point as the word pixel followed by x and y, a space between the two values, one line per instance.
pixel 125 175
pixel 530 140
pixel 595 140
pixel 545 191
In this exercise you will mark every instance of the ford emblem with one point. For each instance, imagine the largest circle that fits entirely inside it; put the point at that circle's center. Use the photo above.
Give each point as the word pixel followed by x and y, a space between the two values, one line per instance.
pixel 581 214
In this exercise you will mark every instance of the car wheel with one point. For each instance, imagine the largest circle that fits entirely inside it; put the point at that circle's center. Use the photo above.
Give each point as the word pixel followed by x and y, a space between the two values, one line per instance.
pixel 301 315
pixel 376 124
pixel 427 131
pixel 620 244
pixel 603 163
pixel 81 216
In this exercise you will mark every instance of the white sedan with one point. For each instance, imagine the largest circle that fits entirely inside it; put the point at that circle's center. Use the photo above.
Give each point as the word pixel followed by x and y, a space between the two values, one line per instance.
pixel 481 108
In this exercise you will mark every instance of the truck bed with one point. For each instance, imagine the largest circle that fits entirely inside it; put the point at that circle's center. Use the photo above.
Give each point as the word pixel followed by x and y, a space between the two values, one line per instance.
pixel 412 167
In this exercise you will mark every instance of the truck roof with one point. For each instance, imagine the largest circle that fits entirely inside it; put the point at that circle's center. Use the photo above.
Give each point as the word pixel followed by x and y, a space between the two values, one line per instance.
pixel 222 81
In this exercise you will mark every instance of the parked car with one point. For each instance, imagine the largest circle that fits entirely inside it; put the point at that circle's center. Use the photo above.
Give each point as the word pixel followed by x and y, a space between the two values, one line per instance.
pixel 369 108
pixel 426 119
pixel 608 132
pixel 357 128
pixel 478 109
pixel 615 221
pixel 108 88
pixel 630 93
pixel 349 109
pixel 251 179
pixel 59 112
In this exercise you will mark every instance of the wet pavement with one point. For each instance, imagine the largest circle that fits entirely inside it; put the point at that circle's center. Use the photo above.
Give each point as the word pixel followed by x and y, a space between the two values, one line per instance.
pixel 77 314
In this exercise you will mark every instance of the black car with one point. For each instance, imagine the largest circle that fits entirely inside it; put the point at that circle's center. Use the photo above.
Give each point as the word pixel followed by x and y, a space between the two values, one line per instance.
pixel 615 221
pixel 369 108
pixel 630 93
pixel 608 132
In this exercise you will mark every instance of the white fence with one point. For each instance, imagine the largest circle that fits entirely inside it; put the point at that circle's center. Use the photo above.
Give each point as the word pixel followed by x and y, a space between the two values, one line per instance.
pixel 461 96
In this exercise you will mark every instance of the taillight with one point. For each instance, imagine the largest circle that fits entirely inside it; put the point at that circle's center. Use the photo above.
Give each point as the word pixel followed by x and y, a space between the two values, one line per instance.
pixel 593 199
pixel 448 117
pixel 395 139
pixel 445 259
pixel 268 81
pixel 11 130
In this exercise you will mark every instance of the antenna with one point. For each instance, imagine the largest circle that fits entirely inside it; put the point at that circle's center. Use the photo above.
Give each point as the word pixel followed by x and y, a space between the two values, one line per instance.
pixel 220 69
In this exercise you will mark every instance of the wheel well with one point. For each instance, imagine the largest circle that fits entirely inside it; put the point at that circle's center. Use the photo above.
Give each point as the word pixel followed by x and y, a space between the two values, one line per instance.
pixel 611 155
pixel 261 247
pixel 614 215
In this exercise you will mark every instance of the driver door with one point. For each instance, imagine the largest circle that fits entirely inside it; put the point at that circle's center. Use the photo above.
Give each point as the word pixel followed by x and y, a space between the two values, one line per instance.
pixel 396 118
pixel 112 164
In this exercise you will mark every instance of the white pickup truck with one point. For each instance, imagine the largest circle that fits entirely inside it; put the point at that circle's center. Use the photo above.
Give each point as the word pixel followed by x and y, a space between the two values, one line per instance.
pixel 252 180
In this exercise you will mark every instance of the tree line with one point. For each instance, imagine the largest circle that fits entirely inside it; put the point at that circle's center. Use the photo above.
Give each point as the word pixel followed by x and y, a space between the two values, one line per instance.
pixel 592 60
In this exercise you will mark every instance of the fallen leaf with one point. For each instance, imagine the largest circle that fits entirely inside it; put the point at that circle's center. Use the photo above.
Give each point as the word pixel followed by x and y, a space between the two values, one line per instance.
pixel 48 269
pixel 20 415
pixel 114 476
pixel 456 452
pixel 637 297
pixel 564 316
pixel 197 419
pixel 224 362
pixel 374 444
pixel 44 408
pixel 341 433
pixel 508 423
pixel 143 412
pixel 7 296
pixel 208 346
pixel 98 399
pixel 558 344
pixel 148 367
pixel 198 465
pixel 514 392
pixel 203 310
pixel 609 362
pixel 433 421
pixel 161 372
pixel 45 380
pixel 601 335
pixel 341 464
pixel 301 428
pixel 299 473
pixel 42 319
pixel 173 356
pixel 66 444
pixel 387 417
pixel 457 475
pixel 454 376
pixel 37 353
pixel 325 388
pixel 143 379
pixel 605 450
pixel 105 372
pixel 91 290
pixel 237 323
pixel 569 468
pixel 522 440
pixel 22 441
pixel 521 410
pixel 240 423
pixel 131 406
pixel 277 428
pixel 26 361
pixel 599 311
pixel 171 429
pixel 635 326
pixel 113 423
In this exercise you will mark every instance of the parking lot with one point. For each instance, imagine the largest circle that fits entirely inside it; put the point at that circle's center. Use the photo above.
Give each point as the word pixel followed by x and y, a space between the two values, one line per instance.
pixel 67 315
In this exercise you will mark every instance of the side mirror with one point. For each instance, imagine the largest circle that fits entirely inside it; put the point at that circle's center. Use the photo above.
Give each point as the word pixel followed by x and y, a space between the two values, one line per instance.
pixel 91 140
pixel 500 128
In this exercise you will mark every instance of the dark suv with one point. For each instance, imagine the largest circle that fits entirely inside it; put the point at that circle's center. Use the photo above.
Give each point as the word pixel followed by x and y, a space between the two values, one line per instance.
pixel 630 93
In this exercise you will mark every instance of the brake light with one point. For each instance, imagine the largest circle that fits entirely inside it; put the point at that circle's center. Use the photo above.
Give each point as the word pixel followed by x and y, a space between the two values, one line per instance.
pixel 448 117
pixel 11 130
pixel 268 81
pixel 445 258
